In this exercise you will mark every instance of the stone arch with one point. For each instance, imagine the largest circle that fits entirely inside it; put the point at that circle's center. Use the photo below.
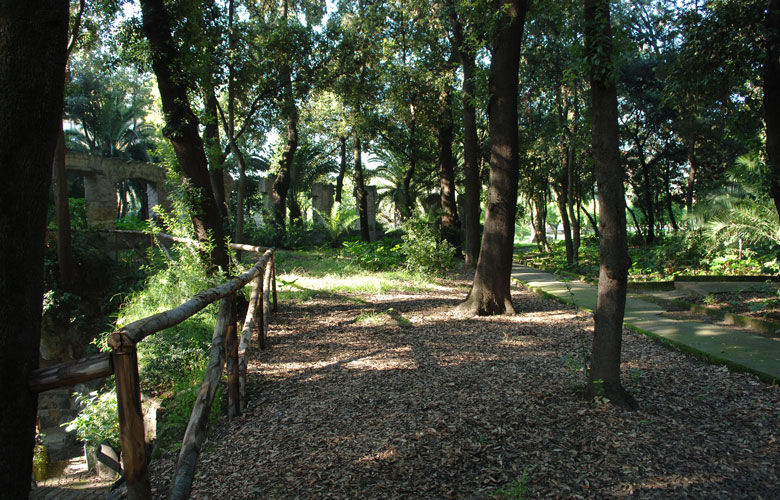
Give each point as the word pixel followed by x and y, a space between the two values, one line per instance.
pixel 101 176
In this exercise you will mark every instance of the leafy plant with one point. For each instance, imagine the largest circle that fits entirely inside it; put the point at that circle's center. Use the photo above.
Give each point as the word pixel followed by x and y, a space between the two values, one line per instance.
pixel 515 490
pixel 375 255
pixel 131 223
pixel 337 223
pixel 425 250
pixel 97 420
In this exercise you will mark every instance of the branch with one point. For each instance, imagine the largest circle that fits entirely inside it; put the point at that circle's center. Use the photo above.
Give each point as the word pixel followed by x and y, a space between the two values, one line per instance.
pixel 76 30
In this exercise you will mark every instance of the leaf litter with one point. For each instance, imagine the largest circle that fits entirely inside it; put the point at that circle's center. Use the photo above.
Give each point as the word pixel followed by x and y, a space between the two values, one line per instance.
pixel 428 404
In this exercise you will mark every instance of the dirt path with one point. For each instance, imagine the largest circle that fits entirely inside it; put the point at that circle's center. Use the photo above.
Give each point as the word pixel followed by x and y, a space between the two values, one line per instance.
pixel 348 403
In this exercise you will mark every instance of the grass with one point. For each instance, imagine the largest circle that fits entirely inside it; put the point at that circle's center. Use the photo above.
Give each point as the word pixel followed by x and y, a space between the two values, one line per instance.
pixel 304 274
pixel 514 490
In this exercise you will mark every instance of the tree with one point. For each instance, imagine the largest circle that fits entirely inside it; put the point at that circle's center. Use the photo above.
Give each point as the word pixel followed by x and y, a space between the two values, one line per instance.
pixel 604 373
pixel 33 37
pixel 182 130
pixel 450 223
pixel 490 292
pixel 772 99
pixel 471 149
pixel 67 265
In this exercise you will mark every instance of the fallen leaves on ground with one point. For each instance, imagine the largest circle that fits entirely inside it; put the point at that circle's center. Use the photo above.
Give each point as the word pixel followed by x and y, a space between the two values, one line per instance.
pixel 442 406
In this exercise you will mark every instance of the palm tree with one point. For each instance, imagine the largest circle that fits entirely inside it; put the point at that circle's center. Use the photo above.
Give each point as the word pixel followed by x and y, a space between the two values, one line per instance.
pixel 741 210
pixel 392 172
pixel 311 162
pixel 110 119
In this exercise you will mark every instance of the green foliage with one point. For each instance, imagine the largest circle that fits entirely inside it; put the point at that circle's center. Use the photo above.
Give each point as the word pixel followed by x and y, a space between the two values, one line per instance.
pixel 174 354
pixel 691 253
pixel 40 456
pixel 425 250
pixel 515 490
pixel 177 408
pixel 131 223
pixel 97 420
pixel 375 255
pixel 337 223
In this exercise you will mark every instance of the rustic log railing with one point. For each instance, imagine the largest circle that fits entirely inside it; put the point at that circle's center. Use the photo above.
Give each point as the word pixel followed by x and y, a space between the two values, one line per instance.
pixel 226 348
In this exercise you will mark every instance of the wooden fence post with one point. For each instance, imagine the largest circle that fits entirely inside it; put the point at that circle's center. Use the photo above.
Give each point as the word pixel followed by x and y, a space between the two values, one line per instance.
pixel 131 422
pixel 231 346
pixel 273 275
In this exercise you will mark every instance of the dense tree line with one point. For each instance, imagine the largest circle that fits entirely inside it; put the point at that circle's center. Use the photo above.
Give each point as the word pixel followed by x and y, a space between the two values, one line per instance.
pixel 631 114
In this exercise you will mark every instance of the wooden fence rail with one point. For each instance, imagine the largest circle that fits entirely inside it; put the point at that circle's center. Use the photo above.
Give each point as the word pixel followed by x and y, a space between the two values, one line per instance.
pixel 227 348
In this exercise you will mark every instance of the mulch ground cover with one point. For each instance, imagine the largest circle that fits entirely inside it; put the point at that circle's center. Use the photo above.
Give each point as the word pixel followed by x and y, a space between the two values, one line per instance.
pixel 398 397
pixel 757 304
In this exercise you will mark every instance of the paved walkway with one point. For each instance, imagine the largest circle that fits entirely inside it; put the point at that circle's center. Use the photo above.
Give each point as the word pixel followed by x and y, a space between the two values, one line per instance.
pixel 739 349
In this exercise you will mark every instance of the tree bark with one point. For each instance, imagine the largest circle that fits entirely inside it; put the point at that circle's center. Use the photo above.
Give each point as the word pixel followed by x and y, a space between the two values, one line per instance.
pixel 604 373
pixel 62 211
pixel 407 206
pixel 647 190
pixel 772 100
pixel 560 198
pixel 636 222
pixel 539 203
pixel 342 168
pixel 490 291
pixel 33 35
pixel 450 223
pixel 181 129
pixel 669 208
pixel 282 182
pixel 471 151
pixel 691 175
pixel 572 194
pixel 214 153
pixel 360 190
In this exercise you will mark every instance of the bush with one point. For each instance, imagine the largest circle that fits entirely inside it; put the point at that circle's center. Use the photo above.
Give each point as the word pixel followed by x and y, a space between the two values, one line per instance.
pixel 424 248
pixel 376 255
pixel 131 223
pixel 97 420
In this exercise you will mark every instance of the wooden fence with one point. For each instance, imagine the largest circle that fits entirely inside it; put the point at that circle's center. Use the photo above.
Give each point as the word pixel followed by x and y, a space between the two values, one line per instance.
pixel 227 348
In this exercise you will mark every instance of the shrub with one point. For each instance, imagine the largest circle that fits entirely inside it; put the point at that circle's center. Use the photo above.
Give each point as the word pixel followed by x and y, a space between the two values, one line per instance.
pixel 97 420
pixel 131 223
pixel 375 255
pixel 424 248
pixel 337 224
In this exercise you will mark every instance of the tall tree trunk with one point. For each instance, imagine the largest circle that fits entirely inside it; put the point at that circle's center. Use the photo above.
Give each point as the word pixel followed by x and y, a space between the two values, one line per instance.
pixel 471 151
pixel 592 221
pixel 669 208
pixel 572 180
pixel 33 36
pixel 490 291
pixel 282 181
pixel 214 152
pixel 560 198
pixel 539 202
pixel 691 173
pixel 450 223
pixel 296 216
pixel 181 129
pixel 360 190
pixel 342 168
pixel 604 373
pixel 62 211
pixel 407 205
pixel 636 222
pixel 647 189
pixel 772 100
pixel 231 129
